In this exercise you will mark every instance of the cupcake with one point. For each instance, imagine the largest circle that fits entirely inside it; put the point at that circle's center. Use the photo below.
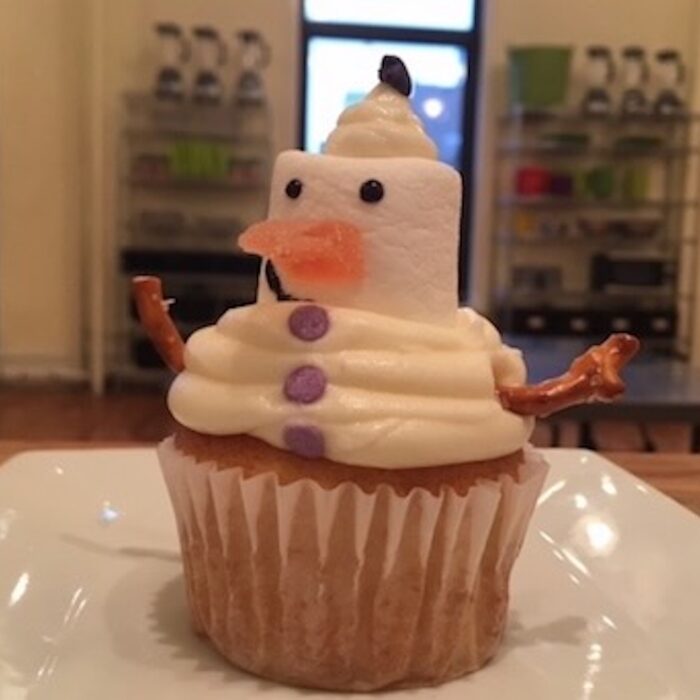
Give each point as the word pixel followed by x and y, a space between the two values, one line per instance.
pixel 351 476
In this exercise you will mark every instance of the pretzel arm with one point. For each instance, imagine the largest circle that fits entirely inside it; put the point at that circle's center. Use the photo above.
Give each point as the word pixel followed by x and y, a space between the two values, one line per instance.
pixel 547 397
pixel 153 313
pixel 592 376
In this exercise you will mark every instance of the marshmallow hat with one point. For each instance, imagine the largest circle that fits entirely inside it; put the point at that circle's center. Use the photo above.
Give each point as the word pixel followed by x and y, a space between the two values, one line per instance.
pixel 372 224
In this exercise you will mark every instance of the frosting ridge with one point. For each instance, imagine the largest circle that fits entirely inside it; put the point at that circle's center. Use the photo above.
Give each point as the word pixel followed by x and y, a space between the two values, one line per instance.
pixel 397 393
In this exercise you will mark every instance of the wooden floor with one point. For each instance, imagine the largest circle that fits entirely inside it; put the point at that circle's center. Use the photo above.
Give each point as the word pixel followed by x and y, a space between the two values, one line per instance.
pixel 60 413
pixel 44 413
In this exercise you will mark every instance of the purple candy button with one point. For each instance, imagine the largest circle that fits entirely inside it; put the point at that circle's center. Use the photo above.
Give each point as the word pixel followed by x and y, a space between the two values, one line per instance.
pixel 305 440
pixel 309 322
pixel 305 384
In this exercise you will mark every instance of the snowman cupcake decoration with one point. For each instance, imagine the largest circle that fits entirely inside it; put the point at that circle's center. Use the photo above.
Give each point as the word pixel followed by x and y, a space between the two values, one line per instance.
pixel 350 472
pixel 363 354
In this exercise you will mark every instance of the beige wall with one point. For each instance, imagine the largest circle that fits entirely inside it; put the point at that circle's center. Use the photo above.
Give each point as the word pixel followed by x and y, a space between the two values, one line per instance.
pixel 41 148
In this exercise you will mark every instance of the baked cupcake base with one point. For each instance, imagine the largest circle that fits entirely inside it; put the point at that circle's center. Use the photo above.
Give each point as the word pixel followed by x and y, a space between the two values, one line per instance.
pixel 346 578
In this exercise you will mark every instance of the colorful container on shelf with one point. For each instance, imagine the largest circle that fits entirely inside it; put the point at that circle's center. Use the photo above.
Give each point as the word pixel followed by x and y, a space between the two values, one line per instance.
pixel 193 160
pixel 538 76
pixel 532 181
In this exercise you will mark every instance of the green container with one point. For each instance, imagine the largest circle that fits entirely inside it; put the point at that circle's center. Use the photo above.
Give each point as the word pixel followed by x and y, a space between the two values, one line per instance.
pixel 635 183
pixel 538 76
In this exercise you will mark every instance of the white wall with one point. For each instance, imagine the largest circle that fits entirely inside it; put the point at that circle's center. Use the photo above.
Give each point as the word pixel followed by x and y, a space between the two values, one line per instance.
pixel 41 121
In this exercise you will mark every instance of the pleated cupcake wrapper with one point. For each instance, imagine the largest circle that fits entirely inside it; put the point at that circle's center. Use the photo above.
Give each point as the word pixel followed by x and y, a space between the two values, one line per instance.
pixel 342 589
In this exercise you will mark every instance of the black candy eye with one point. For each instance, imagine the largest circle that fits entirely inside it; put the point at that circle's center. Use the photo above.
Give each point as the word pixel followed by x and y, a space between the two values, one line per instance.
pixel 293 188
pixel 371 191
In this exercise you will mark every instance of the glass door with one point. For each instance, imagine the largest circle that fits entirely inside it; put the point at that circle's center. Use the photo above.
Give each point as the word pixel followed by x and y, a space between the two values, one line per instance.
pixel 342 45
pixel 337 72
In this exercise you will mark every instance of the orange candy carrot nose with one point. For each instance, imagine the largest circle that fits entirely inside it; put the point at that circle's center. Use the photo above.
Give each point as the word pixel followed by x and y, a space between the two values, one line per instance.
pixel 325 252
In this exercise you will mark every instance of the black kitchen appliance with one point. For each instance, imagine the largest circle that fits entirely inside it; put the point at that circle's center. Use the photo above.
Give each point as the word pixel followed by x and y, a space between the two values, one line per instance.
pixel 631 272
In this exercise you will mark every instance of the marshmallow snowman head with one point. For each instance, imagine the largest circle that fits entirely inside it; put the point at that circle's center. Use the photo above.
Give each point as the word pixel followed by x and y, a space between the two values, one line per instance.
pixel 373 223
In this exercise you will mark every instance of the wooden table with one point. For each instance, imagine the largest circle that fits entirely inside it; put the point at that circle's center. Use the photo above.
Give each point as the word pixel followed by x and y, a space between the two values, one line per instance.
pixel 676 475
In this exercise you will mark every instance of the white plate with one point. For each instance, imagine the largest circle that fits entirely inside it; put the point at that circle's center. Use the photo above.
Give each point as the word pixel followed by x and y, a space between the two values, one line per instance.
pixel 605 598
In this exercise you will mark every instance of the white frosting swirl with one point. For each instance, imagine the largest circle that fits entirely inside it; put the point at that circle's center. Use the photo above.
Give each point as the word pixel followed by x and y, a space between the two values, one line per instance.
pixel 400 393
pixel 382 125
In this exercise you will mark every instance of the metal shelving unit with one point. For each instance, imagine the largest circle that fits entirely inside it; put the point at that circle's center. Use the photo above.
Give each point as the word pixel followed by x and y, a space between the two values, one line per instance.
pixel 555 152
pixel 192 177
pixel 581 262
pixel 191 185
pixel 566 203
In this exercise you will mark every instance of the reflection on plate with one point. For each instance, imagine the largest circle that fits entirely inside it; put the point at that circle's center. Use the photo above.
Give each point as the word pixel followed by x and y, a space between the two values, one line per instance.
pixel 604 604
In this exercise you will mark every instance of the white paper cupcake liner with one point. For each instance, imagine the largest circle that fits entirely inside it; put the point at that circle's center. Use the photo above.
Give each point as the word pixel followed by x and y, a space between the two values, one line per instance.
pixel 346 590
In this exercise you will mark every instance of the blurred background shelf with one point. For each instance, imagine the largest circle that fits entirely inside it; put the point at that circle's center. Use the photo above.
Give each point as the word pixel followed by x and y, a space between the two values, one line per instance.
pixel 183 132
pixel 611 297
pixel 564 203
pixel 141 260
pixel 592 218
pixel 547 117
pixel 193 185
pixel 194 175
pixel 586 152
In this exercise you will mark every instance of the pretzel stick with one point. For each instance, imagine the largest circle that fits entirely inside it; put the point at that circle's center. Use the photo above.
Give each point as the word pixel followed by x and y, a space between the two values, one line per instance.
pixel 594 376
pixel 153 313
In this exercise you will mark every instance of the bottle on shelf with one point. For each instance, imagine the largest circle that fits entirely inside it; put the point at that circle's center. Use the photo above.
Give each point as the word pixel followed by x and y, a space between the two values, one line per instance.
pixel 174 52
pixel 671 71
pixel 210 55
pixel 252 109
pixel 600 71
pixel 635 77
pixel 255 56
